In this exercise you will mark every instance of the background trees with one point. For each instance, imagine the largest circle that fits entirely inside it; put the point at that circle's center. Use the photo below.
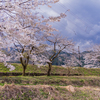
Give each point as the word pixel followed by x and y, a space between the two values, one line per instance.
pixel 92 58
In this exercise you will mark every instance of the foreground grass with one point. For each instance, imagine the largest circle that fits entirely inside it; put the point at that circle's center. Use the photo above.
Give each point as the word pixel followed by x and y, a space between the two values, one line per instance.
pixel 32 88
pixel 53 80
pixel 38 92
pixel 49 88
pixel 55 70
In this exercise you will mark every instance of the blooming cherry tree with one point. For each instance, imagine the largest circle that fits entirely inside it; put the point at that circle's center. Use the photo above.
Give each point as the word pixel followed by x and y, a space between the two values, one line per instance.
pixel 23 25
pixel 4 58
pixel 56 44
pixel 92 58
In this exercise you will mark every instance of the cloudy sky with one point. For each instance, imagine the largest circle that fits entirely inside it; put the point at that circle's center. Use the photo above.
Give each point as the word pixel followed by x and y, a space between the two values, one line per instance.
pixel 82 23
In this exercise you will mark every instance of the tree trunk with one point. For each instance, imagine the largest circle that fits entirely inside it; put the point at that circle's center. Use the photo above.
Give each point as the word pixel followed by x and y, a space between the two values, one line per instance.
pixel 24 68
pixel 68 71
pixel 49 70
pixel 24 64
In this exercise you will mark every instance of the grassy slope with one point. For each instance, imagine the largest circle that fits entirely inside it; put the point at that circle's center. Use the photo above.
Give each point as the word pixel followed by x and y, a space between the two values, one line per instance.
pixel 56 93
pixel 52 80
pixel 37 88
pixel 55 69
pixel 13 92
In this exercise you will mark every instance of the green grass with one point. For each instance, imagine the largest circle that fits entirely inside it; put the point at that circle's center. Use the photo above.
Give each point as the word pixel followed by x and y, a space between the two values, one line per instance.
pixel 55 70
pixel 90 77
pixel 3 68
pixel 43 93
pixel 17 92
pixel 78 95
pixel 76 81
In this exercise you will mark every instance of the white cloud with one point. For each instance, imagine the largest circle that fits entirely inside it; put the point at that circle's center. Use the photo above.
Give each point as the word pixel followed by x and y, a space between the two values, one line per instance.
pixel 64 1
pixel 95 30
pixel 52 13
pixel 84 45
pixel 82 23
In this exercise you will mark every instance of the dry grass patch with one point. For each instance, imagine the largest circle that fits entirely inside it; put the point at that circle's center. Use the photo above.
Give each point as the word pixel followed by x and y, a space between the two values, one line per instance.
pixel 46 92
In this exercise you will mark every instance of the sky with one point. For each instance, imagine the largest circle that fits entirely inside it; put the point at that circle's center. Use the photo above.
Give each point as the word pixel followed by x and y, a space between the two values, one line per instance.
pixel 82 24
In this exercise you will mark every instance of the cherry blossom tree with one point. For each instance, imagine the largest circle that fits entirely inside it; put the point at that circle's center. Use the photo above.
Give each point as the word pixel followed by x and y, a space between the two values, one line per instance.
pixel 92 58
pixel 56 44
pixel 4 58
pixel 22 24
pixel 70 60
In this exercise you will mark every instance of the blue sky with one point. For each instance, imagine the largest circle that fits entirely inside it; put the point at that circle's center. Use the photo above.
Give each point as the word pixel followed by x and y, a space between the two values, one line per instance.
pixel 82 23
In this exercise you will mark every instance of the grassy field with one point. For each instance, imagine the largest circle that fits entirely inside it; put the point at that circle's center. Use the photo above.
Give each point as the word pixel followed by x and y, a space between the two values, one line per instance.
pixel 38 92
pixel 77 81
pixel 86 86
pixel 55 70
pixel 49 88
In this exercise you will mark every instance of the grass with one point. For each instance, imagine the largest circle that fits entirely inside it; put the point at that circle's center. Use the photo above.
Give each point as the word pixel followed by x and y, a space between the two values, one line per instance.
pixel 55 70
pixel 80 94
pixel 16 92
pixel 77 81
pixel 28 87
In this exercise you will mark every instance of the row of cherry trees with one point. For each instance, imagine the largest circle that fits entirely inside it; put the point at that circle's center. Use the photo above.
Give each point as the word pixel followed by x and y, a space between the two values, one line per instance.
pixel 26 30
pixel 31 34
